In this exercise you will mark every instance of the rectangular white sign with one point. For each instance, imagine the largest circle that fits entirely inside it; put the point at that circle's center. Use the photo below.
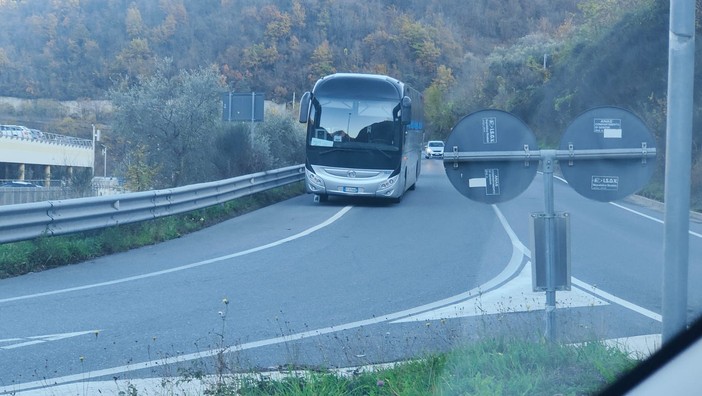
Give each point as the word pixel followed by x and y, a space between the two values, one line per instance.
pixel 610 133
pixel 477 182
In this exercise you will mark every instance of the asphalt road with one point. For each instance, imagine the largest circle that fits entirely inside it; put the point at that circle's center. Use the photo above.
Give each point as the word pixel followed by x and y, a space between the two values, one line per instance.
pixel 336 284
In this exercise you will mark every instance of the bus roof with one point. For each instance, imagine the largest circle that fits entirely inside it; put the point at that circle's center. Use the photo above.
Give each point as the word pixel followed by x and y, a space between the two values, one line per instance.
pixel 357 85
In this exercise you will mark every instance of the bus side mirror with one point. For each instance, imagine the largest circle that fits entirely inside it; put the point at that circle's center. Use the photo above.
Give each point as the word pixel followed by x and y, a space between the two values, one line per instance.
pixel 406 116
pixel 305 107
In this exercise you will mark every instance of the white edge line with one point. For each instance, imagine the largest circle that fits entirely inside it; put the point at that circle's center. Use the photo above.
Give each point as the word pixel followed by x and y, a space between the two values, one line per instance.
pixel 515 263
pixel 519 251
pixel 698 235
pixel 637 213
pixel 607 296
pixel 304 233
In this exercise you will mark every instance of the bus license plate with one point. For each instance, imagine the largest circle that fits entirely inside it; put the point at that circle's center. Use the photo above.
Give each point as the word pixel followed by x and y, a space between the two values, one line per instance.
pixel 350 189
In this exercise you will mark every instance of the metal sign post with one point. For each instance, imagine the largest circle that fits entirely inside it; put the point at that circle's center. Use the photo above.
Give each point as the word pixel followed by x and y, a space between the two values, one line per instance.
pixel 548 159
pixel 676 249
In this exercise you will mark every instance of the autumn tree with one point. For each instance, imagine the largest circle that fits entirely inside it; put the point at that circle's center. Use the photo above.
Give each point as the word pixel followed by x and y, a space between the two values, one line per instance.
pixel 321 63
pixel 139 174
pixel 419 39
pixel 134 23
pixel 437 107
pixel 135 59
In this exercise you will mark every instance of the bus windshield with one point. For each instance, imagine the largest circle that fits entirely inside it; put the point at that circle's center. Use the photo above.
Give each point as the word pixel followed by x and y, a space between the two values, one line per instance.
pixel 355 123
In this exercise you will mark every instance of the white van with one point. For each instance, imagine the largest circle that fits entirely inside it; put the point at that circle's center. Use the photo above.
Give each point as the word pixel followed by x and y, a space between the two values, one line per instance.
pixel 434 149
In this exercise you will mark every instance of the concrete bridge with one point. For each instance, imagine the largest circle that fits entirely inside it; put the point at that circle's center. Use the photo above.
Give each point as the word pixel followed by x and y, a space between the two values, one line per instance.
pixel 47 151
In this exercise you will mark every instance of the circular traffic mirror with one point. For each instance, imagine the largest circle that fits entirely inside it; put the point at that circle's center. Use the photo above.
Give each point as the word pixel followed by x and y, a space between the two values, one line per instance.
pixel 624 164
pixel 494 147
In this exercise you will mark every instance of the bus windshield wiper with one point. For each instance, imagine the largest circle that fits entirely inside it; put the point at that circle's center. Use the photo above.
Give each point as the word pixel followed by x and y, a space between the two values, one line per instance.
pixel 331 150
pixel 385 150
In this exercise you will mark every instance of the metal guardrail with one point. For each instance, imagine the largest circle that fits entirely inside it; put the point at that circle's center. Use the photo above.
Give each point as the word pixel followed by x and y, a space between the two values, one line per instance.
pixel 32 220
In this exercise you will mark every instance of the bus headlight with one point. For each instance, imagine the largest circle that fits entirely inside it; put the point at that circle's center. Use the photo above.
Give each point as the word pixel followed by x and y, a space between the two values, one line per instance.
pixel 315 182
pixel 390 183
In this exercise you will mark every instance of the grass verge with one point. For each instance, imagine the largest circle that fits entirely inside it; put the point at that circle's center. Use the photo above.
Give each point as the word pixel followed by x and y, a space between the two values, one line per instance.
pixel 46 252
pixel 486 367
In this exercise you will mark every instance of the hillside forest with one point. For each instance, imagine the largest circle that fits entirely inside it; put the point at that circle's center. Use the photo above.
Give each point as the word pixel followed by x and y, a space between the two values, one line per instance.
pixel 544 61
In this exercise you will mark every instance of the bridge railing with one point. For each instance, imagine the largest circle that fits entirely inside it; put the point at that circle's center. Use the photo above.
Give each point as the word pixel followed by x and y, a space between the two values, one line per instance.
pixel 32 220
pixel 54 138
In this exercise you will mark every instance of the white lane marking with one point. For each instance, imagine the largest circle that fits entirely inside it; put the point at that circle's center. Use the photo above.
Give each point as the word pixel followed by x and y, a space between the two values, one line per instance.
pixel 304 233
pixel 698 235
pixel 517 295
pixel 515 263
pixel 27 341
pixel 158 363
pixel 519 251
pixel 626 304
pixel 637 213
pixel 498 303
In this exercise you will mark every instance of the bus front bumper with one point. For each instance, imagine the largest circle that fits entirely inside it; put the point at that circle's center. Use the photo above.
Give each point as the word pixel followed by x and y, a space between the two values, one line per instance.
pixel 356 182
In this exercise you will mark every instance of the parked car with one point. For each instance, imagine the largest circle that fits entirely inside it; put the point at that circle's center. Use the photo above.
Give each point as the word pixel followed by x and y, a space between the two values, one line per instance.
pixel 17 131
pixel 36 134
pixel 434 149
pixel 19 183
